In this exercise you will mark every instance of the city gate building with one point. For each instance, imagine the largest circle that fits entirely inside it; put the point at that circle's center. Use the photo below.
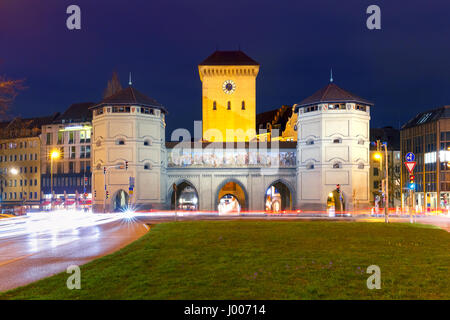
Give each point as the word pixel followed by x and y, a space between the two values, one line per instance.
pixel 231 166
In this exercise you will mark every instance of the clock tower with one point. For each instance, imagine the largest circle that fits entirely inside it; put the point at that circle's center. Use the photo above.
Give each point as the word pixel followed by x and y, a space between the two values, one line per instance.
pixel 228 96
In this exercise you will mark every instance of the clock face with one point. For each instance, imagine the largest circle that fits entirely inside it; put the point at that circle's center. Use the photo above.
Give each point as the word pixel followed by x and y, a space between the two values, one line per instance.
pixel 229 86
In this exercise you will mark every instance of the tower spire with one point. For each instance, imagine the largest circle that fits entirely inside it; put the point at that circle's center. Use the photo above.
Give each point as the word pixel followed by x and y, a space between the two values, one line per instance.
pixel 331 75
pixel 129 80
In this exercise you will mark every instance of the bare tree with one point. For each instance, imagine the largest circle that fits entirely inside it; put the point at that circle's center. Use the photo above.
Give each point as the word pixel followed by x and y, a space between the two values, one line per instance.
pixel 9 89
pixel 113 86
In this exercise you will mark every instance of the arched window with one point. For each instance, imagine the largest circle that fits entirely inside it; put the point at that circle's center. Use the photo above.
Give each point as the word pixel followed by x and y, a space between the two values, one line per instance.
pixel 147 142
pixel 310 142
pixel 243 105
pixel 337 165
pixel 337 140
pixel 310 166
pixel 147 166
pixel 214 105
pixel 120 141
pixel 229 105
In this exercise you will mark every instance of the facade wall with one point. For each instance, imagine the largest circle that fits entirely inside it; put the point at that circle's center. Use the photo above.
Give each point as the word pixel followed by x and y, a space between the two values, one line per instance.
pixel 138 139
pixel 72 170
pixel 333 148
pixel 20 171
pixel 209 181
pixel 221 118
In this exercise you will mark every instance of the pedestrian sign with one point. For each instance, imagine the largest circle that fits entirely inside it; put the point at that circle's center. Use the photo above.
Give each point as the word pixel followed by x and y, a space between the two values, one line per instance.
pixel 410 157
pixel 410 166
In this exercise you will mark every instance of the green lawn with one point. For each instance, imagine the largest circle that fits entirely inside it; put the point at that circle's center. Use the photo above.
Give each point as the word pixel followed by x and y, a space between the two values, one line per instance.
pixel 264 260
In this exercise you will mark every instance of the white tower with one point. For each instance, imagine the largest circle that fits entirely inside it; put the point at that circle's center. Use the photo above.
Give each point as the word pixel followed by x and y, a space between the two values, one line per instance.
pixel 333 149
pixel 129 153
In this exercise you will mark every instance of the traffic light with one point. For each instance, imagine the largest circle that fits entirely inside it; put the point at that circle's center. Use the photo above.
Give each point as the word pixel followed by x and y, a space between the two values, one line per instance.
pixel 126 165
pixel 95 193
pixel 107 194
pixel 85 181
pixel 104 170
pixel 412 184
pixel 338 188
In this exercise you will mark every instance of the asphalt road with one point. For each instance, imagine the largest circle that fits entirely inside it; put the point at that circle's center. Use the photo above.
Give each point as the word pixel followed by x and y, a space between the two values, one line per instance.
pixel 44 244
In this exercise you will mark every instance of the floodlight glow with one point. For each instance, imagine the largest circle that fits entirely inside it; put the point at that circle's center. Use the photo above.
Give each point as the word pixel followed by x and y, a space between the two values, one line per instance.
pixel 14 171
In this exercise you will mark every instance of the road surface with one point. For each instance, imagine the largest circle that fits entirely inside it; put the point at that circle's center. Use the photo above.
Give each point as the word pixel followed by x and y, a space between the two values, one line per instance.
pixel 43 244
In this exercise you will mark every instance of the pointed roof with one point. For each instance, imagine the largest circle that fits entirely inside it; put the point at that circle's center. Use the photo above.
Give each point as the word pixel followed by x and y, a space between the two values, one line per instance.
pixel 332 93
pixel 130 96
pixel 229 58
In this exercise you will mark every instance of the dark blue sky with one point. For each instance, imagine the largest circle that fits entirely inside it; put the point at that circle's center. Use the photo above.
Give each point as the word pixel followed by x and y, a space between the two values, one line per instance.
pixel 404 68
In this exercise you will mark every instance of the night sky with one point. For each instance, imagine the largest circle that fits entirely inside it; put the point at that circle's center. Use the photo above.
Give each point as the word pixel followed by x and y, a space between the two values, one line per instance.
pixel 404 67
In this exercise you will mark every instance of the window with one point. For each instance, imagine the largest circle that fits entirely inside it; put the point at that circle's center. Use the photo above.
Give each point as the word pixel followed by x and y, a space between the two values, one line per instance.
pixel 147 143
pixel 99 111
pixel 49 139
pixel 71 167
pixel 376 184
pixel 88 152
pixel 60 137
pixel 147 111
pixel 120 142
pixel 147 166
pixel 71 137
pixel 243 105
pixel 337 165
pixel 121 109
pixel 72 152
pixel 310 142
pixel 376 172
pixel 214 105
pixel 310 166
pixel 229 105
pixel 82 152
pixel 337 140
pixel 361 141
pixel 311 109
pixel 360 165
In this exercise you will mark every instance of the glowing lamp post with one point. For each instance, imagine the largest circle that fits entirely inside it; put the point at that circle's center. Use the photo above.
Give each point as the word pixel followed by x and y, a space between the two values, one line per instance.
pixel 55 154
pixel 379 156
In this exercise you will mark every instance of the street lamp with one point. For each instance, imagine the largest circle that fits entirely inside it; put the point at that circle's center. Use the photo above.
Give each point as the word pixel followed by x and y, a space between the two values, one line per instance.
pixel 379 156
pixel 55 154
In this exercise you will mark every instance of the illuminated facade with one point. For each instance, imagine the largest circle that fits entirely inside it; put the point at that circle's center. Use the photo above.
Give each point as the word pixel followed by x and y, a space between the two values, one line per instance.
pixel 69 135
pixel 20 166
pixel 228 96
pixel 427 135
pixel 333 148
pixel 135 166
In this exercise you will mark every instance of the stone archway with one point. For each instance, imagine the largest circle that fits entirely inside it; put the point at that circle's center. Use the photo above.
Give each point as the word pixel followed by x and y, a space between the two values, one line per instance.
pixel 187 196
pixel 232 195
pixel 120 201
pixel 278 197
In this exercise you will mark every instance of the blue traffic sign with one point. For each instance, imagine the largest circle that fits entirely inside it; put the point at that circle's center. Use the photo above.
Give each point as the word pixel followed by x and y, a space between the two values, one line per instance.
pixel 410 157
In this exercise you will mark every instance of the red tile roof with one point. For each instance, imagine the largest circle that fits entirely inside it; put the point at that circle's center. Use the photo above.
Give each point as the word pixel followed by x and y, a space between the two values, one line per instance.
pixel 229 58
pixel 130 96
pixel 332 93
